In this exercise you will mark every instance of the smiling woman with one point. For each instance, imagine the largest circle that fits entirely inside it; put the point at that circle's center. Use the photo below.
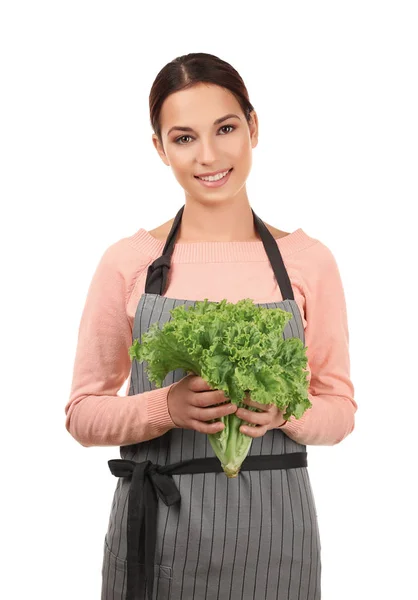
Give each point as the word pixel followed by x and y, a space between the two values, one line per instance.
pixel 212 158
pixel 178 526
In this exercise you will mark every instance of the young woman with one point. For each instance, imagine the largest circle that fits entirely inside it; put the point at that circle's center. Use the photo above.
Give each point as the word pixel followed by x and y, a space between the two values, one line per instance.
pixel 178 527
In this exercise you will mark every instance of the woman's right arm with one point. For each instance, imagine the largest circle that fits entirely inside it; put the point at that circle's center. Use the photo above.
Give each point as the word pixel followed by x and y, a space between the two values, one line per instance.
pixel 95 414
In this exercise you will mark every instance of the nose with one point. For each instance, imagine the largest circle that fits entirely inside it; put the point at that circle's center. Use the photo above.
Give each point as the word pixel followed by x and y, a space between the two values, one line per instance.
pixel 206 153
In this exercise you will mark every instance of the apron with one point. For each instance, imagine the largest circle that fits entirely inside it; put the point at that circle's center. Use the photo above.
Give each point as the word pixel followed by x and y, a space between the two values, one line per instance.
pixel 179 528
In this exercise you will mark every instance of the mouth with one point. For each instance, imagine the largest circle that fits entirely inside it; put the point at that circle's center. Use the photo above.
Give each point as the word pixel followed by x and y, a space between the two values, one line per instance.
pixel 217 181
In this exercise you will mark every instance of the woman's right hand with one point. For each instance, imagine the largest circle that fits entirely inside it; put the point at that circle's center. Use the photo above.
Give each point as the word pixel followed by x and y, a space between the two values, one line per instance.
pixel 192 402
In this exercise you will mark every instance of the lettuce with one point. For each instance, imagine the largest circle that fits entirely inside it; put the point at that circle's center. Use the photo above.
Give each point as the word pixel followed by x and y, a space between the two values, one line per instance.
pixel 234 347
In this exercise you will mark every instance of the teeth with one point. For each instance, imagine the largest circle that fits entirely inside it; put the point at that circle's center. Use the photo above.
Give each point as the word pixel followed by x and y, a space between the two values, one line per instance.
pixel 215 177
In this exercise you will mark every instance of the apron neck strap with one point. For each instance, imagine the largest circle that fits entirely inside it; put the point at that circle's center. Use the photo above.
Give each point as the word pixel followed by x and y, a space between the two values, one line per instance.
pixel 157 274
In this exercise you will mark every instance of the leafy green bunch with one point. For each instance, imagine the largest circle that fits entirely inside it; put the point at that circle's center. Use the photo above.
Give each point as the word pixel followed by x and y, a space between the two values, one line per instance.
pixel 235 347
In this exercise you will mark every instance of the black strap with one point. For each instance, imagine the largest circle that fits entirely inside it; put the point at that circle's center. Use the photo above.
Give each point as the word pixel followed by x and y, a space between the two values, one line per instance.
pixel 275 258
pixel 149 480
pixel 157 274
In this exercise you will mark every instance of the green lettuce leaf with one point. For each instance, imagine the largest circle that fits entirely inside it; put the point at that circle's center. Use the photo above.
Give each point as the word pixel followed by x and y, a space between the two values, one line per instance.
pixel 235 347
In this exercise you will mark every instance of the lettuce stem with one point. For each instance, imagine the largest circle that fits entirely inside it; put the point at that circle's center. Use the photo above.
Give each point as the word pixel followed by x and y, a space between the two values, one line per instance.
pixel 236 448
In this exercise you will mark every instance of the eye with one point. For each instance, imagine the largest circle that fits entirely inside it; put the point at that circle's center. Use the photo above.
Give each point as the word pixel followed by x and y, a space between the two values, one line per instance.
pixel 177 140
pixel 232 127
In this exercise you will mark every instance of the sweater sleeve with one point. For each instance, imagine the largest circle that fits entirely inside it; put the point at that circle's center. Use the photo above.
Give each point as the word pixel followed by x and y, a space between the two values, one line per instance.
pixel 331 417
pixel 95 414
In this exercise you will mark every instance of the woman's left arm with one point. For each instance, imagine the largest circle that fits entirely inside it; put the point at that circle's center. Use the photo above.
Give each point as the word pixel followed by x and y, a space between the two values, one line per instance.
pixel 331 391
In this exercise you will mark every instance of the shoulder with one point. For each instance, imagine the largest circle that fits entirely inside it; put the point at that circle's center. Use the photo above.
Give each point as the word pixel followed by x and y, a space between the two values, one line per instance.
pixel 123 261
pixel 161 232
pixel 300 246
pixel 125 252
pixel 313 266
pixel 320 257
pixel 276 233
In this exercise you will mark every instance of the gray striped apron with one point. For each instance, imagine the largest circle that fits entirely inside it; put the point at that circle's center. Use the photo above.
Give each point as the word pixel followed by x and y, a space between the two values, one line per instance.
pixel 210 537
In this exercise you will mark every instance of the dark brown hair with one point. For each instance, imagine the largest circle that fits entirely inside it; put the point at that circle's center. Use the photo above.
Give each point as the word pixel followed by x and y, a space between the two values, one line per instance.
pixel 185 71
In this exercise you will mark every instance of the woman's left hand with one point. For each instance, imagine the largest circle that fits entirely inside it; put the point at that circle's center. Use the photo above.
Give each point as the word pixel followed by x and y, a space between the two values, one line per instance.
pixel 270 417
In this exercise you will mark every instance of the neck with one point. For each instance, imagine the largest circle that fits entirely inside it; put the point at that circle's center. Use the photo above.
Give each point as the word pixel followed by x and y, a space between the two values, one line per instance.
pixel 226 222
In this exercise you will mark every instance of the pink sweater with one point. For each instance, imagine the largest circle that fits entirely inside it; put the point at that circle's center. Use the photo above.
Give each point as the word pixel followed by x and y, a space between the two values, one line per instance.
pixel 96 415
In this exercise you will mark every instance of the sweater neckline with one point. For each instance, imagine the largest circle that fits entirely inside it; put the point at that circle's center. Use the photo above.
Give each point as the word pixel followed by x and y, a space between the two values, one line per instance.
pixel 214 251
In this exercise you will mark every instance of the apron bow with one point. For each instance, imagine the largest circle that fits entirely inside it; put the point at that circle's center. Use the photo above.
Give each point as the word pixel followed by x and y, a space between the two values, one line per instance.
pixel 147 480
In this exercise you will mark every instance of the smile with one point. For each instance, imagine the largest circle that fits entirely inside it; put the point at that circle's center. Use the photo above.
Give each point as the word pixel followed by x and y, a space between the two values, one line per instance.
pixel 216 180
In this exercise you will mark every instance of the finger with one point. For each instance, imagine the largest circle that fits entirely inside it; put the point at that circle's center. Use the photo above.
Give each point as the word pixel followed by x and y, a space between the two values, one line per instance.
pixel 211 398
pixel 198 384
pixel 258 418
pixel 213 412
pixel 257 404
pixel 254 432
pixel 207 427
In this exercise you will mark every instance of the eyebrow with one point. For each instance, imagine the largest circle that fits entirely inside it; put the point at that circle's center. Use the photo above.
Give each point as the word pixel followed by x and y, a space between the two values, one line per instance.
pixel 220 120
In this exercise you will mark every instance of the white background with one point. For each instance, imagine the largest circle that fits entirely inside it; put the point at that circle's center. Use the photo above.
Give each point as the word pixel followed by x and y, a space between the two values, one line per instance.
pixel 335 88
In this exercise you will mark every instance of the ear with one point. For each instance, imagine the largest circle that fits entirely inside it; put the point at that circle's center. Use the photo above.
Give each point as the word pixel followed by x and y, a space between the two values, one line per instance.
pixel 253 126
pixel 158 146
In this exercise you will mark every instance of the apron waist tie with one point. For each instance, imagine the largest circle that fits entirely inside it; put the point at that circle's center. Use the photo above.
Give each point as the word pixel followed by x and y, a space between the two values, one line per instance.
pixel 148 480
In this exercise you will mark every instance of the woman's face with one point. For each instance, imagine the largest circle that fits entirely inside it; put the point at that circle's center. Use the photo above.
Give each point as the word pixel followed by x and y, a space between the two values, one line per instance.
pixel 206 146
